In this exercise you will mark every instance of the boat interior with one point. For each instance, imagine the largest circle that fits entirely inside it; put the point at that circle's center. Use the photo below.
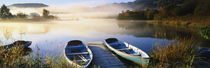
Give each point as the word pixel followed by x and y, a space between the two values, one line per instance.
pixel 20 42
pixel 77 52
pixel 113 42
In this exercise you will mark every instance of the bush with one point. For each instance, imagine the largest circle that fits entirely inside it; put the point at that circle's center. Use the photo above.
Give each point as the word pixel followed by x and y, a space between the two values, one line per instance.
pixel 205 32
pixel 21 15
pixel 138 14
pixel 16 58
pixel 181 52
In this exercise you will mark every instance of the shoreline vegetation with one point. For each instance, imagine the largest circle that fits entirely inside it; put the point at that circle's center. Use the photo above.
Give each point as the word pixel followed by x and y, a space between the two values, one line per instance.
pixel 181 53
pixel 194 13
pixel 185 13
pixel 177 54
pixel 19 57
pixel 7 16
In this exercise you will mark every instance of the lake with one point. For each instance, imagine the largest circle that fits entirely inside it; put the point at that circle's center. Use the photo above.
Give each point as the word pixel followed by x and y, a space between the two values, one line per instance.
pixel 51 37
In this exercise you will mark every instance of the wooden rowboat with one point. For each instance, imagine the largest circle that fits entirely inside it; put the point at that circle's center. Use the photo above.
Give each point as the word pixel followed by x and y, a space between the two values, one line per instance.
pixel 127 51
pixel 19 43
pixel 78 54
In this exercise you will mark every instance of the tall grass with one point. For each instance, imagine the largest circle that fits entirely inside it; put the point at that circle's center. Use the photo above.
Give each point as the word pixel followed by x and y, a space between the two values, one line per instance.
pixel 180 53
pixel 19 57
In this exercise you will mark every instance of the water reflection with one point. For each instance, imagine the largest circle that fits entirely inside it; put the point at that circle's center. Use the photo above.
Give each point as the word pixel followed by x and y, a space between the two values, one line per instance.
pixel 23 28
pixel 14 31
pixel 142 29
pixel 51 37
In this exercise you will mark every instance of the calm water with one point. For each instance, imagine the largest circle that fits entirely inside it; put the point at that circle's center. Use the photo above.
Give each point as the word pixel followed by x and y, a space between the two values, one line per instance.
pixel 51 37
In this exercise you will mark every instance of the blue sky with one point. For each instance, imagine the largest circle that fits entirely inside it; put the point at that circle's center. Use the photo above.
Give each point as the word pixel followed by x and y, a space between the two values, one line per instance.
pixel 57 2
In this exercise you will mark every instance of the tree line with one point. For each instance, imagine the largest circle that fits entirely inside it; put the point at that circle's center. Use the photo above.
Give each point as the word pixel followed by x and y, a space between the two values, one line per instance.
pixel 6 14
pixel 171 10
pixel 147 14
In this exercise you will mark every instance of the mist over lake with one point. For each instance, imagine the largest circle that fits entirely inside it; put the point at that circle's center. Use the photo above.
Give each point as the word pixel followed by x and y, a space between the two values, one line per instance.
pixel 54 35
pixel 105 34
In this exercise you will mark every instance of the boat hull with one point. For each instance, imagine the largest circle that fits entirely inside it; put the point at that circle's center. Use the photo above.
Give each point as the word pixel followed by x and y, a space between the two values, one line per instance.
pixel 135 59
pixel 75 65
pixel 19 45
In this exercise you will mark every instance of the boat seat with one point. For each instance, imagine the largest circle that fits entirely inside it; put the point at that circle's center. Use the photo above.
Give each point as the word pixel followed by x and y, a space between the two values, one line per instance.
pixel 137 54
pixel 82 60
pixel 123 49
pixel 77 53
pixel 114 44
pixel 76 47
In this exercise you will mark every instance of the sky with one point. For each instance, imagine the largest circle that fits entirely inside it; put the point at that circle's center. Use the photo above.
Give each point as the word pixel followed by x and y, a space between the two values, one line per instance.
pixel 62 2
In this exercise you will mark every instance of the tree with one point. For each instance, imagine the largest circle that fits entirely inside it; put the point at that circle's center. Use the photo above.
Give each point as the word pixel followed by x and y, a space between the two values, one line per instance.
pixel 203 8
pixel 150 13
pixel 21 15
pixel 5 12
pixel 46 13
pixel 34 15
pixel 187 8
pixel 164 3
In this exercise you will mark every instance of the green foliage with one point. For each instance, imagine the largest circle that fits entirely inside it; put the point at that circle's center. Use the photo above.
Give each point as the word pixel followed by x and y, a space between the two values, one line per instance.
pixel 21 15
pixel 180 9
pixel 202 9
pixel 150 14
pixel 5 12
pixel 193 8
pixel 34 15
pixel 45 13
pixel 164 3
pixel 20 58
pixel 185 9
pixel 175 10
pixel 137 15
pixel 205 32
pixel 166 12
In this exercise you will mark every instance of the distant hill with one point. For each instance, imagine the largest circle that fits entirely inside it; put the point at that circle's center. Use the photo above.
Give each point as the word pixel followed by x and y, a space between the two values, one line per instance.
pixel 28 5
pixel 142 4
pixel 138 4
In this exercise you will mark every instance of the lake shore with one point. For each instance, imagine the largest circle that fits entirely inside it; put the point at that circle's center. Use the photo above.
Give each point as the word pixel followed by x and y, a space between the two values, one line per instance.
pixel 26 20
pixel 189 24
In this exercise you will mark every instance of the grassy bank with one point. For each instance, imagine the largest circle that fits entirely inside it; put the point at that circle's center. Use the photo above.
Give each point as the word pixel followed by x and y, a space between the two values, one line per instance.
pixel 184 23
pixel 202 28
pixel 189 24
pixel 174 55
pixel 26 20
pixel 21 58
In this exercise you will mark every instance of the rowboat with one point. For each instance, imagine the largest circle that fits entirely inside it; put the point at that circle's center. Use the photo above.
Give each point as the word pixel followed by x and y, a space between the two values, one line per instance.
pixel 127 51
pixel 6 49
pixel 78 54
pixel 19 43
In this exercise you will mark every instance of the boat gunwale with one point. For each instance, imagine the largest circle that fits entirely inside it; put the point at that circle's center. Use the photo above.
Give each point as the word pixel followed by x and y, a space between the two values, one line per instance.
pixel 77 65
pixel 115 50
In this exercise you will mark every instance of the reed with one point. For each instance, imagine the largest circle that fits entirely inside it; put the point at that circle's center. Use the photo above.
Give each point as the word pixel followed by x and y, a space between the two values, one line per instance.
pixel 16 58
pixel 179 53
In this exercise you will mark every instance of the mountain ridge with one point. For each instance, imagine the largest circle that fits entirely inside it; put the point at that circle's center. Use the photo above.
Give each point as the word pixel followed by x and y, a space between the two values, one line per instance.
pixel 137 4
pixel 28 5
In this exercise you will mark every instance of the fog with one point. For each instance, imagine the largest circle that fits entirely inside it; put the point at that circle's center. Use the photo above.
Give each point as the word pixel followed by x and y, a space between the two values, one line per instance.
pixel 90 9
